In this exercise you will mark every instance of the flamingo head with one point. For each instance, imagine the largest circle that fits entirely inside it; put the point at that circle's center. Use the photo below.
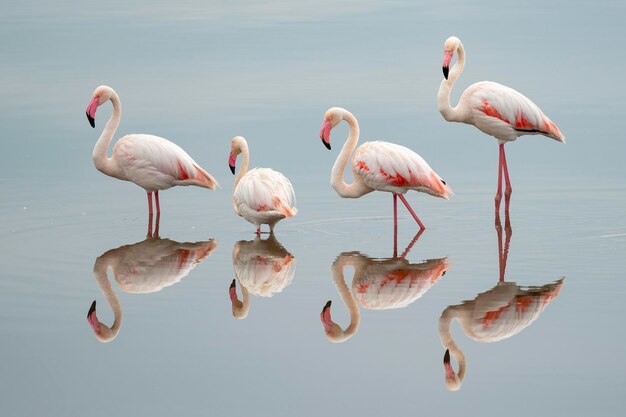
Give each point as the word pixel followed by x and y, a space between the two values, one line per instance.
pixel 100 96
pixel 240 311
pixel 102 332
pixel 237 145
pixel 453 380
pixel 333 331
pixel 449 48
pixel 332 118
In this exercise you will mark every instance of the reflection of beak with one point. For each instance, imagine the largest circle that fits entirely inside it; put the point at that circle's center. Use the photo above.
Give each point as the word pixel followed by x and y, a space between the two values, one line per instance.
pixel 325 134
pixel 325 317
pixel 92 318
pixel 233 291
pixel 447 365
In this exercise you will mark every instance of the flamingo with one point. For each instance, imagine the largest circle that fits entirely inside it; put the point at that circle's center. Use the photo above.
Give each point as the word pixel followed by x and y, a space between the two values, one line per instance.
pixel 263 267
pixel 151 162
pixel 380 166
pixel 493 108
pixel 261 195
pixel 141 268
pixel 493 315
pixel 378 284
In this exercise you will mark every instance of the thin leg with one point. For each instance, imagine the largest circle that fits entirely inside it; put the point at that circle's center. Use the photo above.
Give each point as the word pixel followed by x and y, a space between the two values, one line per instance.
pixel 509 189
pixel 156 199
pixel 156 224
pixel 499 190
pixel 258 231
pixel 395 225
pixel 149 225
pixel 500 257
pixel 406 203
pixel 150 203
pixel 410 245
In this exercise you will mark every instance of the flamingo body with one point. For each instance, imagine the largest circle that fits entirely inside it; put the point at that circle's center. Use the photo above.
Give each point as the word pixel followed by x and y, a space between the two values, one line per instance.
pixel 261 195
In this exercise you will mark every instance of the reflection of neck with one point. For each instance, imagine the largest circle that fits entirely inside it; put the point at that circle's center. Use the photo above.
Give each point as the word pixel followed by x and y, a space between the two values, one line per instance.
pixel 451 114
pixel 357 188
pixel 100 273
pixel 445 335
pixel 344 291
pixel 241 308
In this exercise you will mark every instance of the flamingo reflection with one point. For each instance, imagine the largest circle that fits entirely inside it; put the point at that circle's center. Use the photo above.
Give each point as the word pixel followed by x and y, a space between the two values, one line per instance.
pixel 493 315
pixel 263 268
pixel 143 267
pixel 379 284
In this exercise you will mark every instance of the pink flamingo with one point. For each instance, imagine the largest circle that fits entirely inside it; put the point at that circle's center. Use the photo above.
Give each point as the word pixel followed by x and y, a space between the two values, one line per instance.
pixel 261 195
pixel 495 109
pixel 151 162
pixel 380 166
pixel 493 315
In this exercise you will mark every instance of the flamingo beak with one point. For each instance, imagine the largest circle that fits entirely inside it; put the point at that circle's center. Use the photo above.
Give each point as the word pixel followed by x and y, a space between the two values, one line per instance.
pixel 325 134
pixel 447 58
pixel 91 110
pixel 325 317
pixel 447 365
pixel 232 290
pixel 93 319
pixel 232 159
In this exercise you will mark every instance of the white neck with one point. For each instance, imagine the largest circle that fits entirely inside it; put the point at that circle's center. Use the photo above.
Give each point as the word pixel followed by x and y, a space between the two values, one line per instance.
pixel 245 158
pixel 357 188
pixel 103 163
pixel 445 335
pixel 451 114
pixel 100 269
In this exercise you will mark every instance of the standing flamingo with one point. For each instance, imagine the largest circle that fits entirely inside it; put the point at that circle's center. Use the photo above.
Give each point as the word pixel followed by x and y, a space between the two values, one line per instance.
pixel 495 109
pixel 151 162
pixel 493 315
pixel 379 166
pixel 261 195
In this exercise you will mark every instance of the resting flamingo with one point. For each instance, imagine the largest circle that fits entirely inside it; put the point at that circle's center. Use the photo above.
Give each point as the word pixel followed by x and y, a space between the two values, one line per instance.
pixel 140 268
pixel 263 267
pixel 379 284
pixel 493 108
pixel 493 315
pixel 151 162
pixel 261 195
pixel 379 166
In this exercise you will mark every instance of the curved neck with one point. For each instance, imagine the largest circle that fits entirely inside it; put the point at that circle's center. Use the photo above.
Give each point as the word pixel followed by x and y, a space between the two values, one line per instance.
pixel 451 114
pixel 103 163
pixel 445 335
pixel 346 295
pixel 100 269
pixel 357 188
pixel 243 169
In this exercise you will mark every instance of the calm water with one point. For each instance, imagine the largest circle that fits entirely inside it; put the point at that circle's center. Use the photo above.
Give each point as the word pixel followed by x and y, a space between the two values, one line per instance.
pixel 201 73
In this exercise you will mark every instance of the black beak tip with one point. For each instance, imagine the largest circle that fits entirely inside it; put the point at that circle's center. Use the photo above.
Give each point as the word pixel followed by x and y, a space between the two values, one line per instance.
pixel 232 169
pixel 92 122
pixel 232 284
pixel 327 144
pixel 445 72
pixel 327 305
pixel 92 308
pixel 446 357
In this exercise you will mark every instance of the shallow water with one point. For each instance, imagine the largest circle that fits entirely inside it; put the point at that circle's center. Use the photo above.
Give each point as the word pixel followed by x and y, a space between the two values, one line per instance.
pixel 201 74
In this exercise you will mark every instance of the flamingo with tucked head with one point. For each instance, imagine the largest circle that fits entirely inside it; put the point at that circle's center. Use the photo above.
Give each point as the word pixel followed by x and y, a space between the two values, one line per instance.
pixel 151 162
pixel 493 108
pixel 379 166
pixel 261 195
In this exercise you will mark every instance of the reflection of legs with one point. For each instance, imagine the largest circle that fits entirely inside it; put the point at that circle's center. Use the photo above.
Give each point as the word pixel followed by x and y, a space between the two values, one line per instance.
pixel 509 189
pixel 410 245
pixel 395 224
pixel 503 252
pixel 406 203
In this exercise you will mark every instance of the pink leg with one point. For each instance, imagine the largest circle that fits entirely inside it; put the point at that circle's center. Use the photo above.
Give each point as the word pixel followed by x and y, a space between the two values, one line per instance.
pixel 150 203
pixel 258 232
pixel 156 199
pixel 499 190
pixel 156 224
pixel 509 189
pixel 410 246
pixel 149 225
pixel 406 203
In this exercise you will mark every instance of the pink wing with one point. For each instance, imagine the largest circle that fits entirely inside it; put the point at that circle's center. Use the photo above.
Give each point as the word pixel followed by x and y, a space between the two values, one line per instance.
pixel 507 114
pixel 386 166
pixel 155 163
pixel 263 189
